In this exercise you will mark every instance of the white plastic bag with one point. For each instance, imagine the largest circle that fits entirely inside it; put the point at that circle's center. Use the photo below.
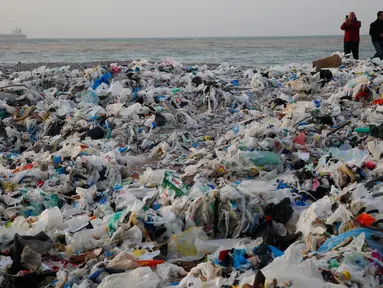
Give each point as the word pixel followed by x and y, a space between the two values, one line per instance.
pixel 114 109
pixel 142 277
pixel 291 267
pixel 48 219
pixel 5 263
pixel 307 220
pixel 102 90
pixel 115 89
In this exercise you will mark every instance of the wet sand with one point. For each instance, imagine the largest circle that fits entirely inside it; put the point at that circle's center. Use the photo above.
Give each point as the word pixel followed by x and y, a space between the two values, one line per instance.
pixel 7 69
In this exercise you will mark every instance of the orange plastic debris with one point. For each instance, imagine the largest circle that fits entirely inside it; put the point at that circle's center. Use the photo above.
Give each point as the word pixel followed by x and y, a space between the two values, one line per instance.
pixel 150 263
pixel 377 102
pixel 365 219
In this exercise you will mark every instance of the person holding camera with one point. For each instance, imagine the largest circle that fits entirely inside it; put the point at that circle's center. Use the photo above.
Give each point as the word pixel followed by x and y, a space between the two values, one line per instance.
pixel 351 28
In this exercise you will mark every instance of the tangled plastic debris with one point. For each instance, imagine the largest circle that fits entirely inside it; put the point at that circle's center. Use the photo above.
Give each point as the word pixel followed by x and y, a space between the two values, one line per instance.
pixel 165 175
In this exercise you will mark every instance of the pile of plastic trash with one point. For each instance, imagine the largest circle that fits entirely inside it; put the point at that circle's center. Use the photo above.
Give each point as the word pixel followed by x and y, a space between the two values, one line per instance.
pixel 166 175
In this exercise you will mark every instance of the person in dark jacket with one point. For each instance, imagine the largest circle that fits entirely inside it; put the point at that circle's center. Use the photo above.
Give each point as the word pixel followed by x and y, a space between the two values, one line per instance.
pixel 376 33
pixel 351 27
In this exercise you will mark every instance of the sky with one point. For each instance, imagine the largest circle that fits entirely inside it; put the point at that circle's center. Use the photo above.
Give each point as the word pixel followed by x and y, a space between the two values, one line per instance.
pixel 181 18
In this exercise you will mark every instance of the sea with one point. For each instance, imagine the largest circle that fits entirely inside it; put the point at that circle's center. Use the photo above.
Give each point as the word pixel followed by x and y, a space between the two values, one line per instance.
pixel 248 51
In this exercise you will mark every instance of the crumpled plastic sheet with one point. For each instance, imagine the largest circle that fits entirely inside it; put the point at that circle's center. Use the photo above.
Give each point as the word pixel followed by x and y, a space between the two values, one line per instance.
pixel 335 240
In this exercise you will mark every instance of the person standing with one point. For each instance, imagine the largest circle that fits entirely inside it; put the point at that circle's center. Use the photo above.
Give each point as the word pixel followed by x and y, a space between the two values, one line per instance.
pixel 376 33
pixel 351 27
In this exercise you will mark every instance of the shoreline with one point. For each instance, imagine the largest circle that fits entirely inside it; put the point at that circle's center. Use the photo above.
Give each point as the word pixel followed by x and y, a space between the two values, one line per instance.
pixel 18 67
pixel 74 65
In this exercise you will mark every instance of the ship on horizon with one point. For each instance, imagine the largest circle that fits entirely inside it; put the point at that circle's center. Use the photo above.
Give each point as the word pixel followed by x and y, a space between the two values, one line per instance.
pixel 17 34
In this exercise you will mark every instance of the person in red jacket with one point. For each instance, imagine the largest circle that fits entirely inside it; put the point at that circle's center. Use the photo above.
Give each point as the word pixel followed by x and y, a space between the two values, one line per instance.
pixel 351 27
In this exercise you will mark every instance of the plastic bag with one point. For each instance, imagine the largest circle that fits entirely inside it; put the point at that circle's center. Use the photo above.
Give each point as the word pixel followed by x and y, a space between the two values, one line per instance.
pixel 142 277
pixel 132 237
pixel 341 214
pixel 131 111
pixel 30 259
pixel 87 194
pixel 300 86
pixel 291 267
pixel 102 90
pixel 86 239
pixel 172 186
pixel 116 88
pixel 65 107
pixel 89 96
pixel 115 220
pixel 168 271
pixel 258 83
pixel 307 220
pixel 261 158
pixel 124 261
pixel 114 109
pixel 336 240
pixel 355 154
pixel 103 80
pixel 186 241
pixel 5 263
pixel 49 219
pixel 7 234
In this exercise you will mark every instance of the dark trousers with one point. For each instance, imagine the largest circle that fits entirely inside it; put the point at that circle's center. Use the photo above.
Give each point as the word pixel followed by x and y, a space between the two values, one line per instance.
pixel 379 49
pixel 352 47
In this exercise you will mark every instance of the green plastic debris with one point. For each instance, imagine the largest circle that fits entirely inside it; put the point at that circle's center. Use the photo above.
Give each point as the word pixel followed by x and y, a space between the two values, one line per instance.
pixel 50 200
pixel 260 158
pixel 176 90
pixel 172 186
pixel 362 130
pixel 3 114
pixel 333 264
pixel 115 219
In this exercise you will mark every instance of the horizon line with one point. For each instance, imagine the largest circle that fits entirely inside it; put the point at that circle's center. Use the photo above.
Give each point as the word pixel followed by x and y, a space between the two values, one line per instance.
pixel 188 37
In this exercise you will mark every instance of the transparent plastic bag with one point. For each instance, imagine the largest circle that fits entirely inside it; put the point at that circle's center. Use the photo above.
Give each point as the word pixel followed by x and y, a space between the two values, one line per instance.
pixel 89 96
pixel 261 158
pixel 5 263
pixel 186 241
pixel 142 277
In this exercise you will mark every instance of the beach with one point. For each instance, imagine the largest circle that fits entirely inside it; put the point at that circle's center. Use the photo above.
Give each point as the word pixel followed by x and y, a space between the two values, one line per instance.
pixel 177 174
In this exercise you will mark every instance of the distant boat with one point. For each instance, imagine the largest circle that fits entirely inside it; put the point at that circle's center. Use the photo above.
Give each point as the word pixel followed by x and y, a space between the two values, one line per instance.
pixel 17 34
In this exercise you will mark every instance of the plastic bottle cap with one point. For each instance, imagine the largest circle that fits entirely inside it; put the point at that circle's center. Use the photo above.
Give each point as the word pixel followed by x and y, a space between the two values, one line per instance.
pixel 347 275
pixel 370 165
